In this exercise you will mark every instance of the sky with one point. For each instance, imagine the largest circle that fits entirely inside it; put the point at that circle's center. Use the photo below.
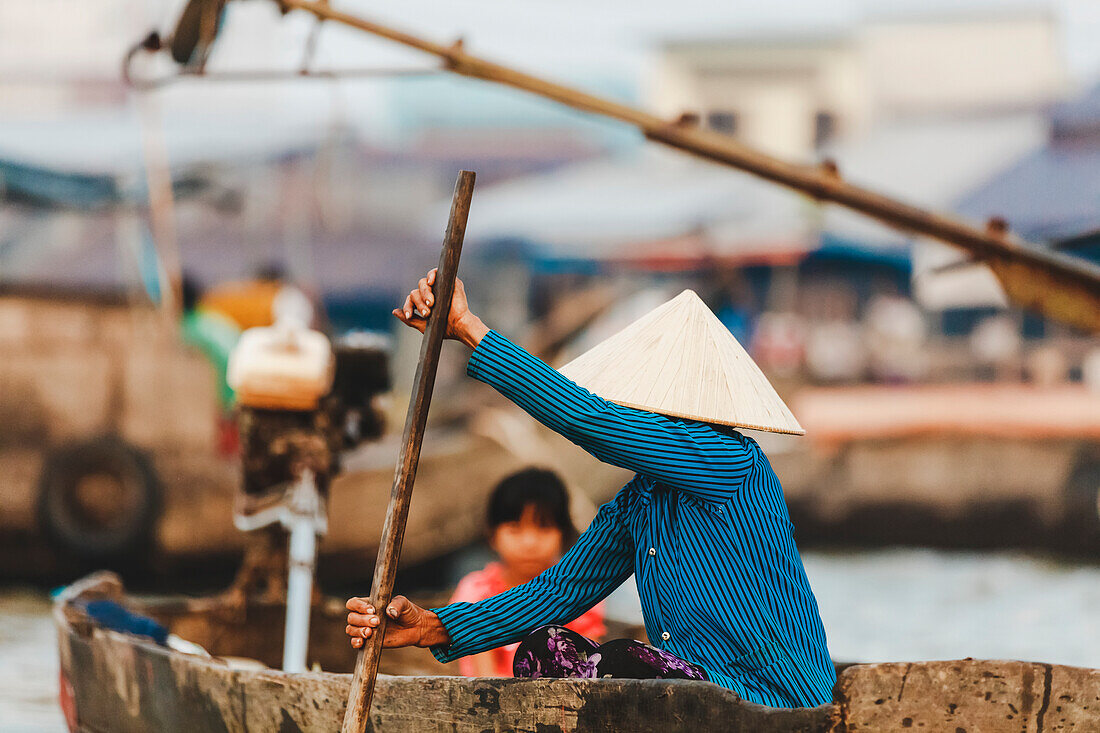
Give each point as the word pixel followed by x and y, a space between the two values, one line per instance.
pixel 565 38
pixel 604 45
pixel 585 36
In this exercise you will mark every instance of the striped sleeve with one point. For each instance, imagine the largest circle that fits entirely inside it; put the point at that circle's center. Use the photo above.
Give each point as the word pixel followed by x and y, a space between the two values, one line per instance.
pixel 683 454
pixel 596 565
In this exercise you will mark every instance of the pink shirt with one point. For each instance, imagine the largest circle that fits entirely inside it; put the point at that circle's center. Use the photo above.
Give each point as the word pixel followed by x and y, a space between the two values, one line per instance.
pixel 482 584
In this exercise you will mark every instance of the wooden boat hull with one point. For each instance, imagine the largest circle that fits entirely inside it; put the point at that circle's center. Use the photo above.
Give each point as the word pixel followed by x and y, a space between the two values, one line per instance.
pixel 116 682
pixel 120 685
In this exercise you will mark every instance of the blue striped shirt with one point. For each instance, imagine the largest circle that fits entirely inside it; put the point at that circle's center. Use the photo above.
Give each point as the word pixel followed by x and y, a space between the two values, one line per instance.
pixel 702 526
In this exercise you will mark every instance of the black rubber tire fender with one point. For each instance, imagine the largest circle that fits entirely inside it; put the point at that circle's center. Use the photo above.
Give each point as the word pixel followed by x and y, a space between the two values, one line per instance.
pixel 59 513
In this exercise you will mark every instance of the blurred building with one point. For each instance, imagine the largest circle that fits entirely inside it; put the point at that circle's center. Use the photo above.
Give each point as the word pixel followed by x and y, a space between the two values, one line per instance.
pixel 292 172
pixel 923 101
pixel 1049 193
pixel 791 90
pixel 57 55
pixel 926 106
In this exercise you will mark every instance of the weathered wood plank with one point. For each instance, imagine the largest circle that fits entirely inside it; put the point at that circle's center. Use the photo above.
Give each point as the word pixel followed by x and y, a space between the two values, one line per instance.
pixel 969 695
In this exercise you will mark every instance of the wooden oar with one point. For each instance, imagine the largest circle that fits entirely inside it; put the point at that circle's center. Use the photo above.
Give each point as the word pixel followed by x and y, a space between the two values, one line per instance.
pixel 389 552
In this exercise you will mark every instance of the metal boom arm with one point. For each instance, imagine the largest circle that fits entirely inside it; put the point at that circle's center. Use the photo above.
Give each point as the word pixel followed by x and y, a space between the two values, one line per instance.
pixel 1060 286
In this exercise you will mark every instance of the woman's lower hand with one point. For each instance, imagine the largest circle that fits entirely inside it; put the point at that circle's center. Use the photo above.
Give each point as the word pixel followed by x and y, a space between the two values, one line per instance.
pixel 462 325
pixel 407 624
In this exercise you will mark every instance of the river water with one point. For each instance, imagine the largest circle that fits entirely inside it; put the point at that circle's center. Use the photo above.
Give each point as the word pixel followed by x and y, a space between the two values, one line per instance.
pixel 877 606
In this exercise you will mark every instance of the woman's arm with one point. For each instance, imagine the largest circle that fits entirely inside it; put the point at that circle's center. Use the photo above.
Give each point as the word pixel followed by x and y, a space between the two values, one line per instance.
pixel 685 455
pixel 597 564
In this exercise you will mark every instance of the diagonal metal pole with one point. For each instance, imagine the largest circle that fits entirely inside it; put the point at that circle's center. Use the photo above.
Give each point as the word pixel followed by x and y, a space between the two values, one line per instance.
pixel 1058 285
pixel 389 552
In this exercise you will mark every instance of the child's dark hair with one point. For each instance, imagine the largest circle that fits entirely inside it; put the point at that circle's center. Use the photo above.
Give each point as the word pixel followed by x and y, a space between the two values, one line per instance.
pixel 538 488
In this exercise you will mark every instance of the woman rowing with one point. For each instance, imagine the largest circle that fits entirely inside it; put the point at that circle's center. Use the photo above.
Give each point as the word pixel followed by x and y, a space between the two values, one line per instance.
pixel 702 525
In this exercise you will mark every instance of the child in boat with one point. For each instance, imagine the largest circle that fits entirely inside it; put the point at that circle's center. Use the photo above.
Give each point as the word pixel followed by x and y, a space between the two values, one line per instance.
pixel 529 528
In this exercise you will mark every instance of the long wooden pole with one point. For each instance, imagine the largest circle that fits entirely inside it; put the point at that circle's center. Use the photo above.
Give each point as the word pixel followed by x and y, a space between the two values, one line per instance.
pixel 162 215
pixel 389 552
pixel 1027 271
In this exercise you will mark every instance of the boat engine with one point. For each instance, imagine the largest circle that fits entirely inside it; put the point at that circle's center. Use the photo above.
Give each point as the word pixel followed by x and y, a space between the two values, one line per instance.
pixel 301 401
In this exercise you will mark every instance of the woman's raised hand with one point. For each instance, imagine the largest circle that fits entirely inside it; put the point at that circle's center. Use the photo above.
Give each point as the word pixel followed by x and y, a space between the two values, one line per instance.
pixel 462 325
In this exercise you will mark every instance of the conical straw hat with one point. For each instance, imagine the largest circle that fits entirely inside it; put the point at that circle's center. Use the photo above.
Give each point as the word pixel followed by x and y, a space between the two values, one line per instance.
pixel 679 360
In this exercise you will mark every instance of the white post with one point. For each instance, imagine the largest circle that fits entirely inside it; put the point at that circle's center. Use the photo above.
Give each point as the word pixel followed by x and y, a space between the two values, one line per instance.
pixel 305 522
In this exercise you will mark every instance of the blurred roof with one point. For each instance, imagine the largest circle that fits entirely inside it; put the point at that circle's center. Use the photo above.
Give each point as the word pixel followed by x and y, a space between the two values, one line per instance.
pixel 36 185
pixel 1077 116
pixel 647 204
pixel 92 159
pixel 107 253
pixel 111 143
pixel 659 203
pixel 929 163
pixel 1052 192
